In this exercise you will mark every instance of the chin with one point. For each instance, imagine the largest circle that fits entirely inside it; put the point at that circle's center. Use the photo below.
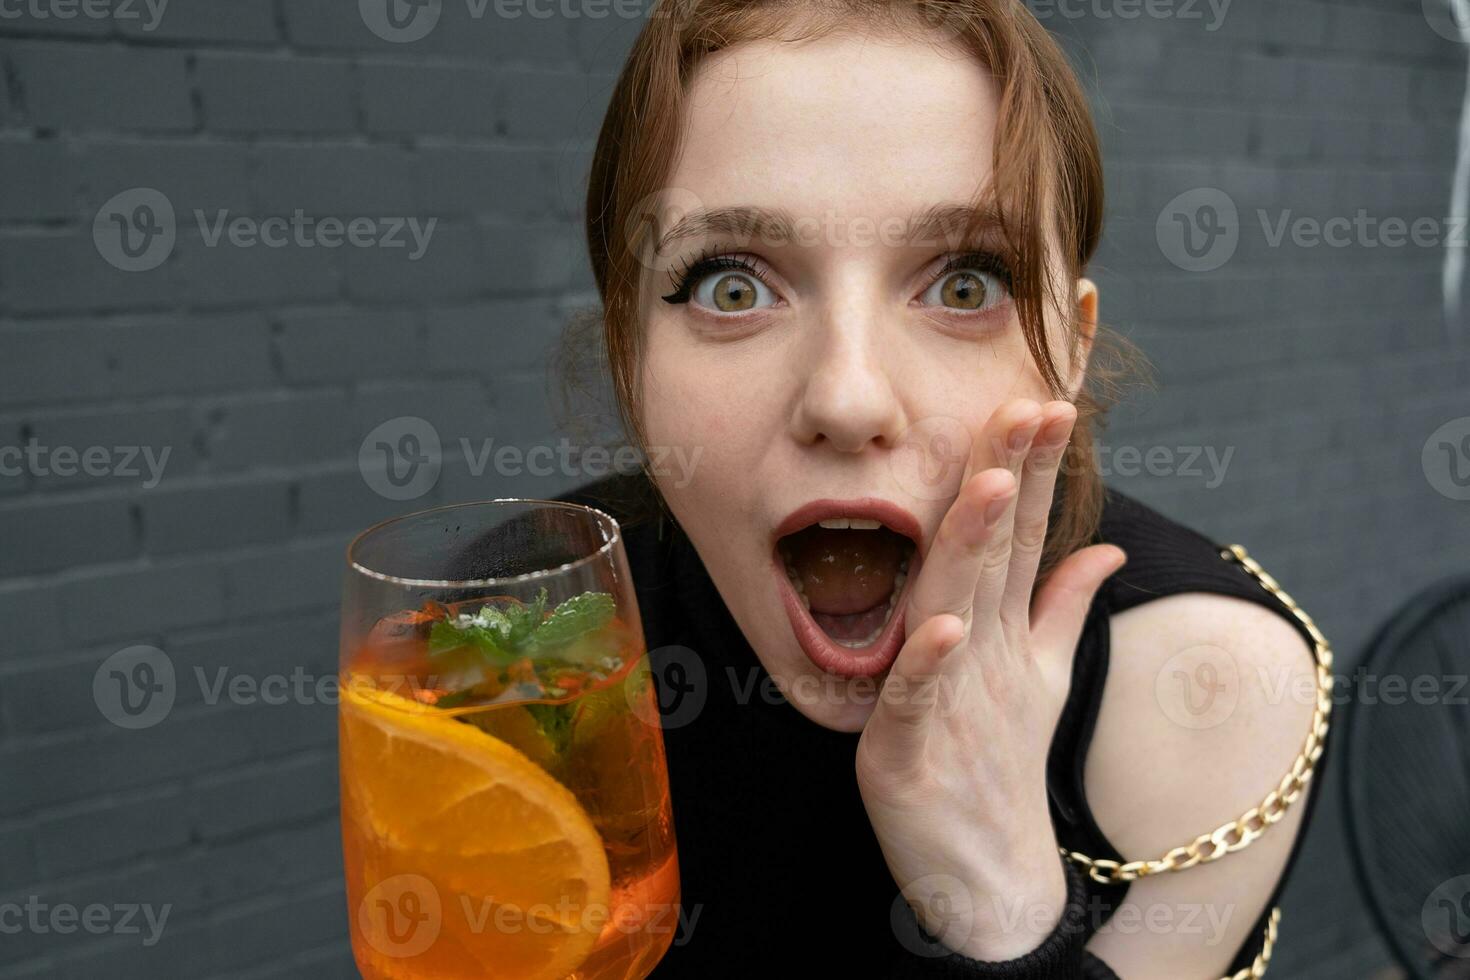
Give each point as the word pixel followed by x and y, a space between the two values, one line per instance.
pixel 842 704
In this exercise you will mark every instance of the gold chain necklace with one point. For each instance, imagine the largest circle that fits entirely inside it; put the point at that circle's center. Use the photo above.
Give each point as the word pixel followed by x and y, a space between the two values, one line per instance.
pixel 1243 831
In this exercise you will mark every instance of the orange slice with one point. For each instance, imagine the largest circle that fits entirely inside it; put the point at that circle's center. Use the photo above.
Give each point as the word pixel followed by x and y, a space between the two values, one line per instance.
pixel 509 860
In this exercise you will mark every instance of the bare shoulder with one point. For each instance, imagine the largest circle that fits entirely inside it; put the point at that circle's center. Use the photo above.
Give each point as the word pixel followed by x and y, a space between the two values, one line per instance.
pixel 1208 701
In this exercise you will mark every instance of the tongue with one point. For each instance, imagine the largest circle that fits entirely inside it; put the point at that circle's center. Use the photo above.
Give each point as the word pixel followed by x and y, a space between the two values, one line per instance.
pixel 844 572
pixel 852 627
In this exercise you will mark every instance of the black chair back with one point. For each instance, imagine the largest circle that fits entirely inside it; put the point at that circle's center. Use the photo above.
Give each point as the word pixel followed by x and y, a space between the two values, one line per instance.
pixel 1407 784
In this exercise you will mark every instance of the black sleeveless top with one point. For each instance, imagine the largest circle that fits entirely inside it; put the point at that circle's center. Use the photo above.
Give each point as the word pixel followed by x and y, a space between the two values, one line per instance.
pixel 779 867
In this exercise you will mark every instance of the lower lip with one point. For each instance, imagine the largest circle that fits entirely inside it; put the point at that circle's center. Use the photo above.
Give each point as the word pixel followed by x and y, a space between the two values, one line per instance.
pixel 832 657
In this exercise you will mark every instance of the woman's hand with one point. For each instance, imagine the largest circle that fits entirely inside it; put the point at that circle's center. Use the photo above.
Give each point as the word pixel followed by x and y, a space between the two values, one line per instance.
pixel 952 762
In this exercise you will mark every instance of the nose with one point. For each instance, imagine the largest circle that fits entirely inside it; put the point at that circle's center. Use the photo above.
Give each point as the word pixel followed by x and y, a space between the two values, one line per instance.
pixel 847 393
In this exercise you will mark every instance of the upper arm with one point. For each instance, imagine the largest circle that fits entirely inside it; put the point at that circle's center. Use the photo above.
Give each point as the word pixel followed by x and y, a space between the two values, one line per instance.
pixel 1209 700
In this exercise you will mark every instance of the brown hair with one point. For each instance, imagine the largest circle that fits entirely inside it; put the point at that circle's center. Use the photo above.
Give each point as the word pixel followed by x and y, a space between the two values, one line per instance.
pixel 1044 128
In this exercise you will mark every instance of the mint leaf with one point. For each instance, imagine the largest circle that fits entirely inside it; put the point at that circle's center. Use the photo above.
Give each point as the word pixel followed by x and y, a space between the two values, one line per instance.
pixel 500 635
pixel 575 617
pixel 525 618
pixel 555 722
pixel 498 623
pixel 445 637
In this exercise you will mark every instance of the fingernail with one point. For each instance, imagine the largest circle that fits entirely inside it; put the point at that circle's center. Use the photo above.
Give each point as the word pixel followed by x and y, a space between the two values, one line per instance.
pixel 995 508
pixel 1021 438
pixel 1054 433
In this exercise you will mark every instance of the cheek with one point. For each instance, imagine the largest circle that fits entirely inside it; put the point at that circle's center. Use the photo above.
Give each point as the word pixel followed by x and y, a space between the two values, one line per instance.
pixel 711 403
pixel 688 420
pixel 677 410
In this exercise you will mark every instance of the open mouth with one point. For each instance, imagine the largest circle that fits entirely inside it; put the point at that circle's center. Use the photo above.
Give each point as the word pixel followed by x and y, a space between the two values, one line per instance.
pixel 846 578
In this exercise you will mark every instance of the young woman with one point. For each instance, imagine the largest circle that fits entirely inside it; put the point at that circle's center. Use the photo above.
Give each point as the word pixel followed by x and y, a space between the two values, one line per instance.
pixel 960 711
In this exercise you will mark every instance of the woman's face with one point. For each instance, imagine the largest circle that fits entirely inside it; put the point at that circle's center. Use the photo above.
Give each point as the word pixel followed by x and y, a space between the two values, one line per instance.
pixel 844 363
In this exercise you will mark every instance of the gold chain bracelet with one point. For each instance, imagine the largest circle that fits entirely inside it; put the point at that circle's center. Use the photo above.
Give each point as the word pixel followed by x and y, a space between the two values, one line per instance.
pixel 1240 833
pixel 1257 969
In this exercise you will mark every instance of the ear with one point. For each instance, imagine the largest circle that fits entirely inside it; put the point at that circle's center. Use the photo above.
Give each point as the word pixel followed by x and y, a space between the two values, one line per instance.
pixel 1085 313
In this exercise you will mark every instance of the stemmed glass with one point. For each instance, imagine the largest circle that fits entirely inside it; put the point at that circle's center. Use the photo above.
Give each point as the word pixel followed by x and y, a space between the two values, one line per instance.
pixel 505 799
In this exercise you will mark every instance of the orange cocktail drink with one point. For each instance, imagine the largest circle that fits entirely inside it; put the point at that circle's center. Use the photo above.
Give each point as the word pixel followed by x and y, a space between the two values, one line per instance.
pixel 505 802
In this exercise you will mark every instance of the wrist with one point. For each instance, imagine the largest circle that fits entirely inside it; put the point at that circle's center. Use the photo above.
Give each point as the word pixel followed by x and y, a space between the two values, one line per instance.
pixel 1059 955
pixel 1017 909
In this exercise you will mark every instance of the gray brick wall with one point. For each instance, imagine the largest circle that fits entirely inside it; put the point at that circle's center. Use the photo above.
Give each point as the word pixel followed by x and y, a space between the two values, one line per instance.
pixel 261 370
pixel 1323 369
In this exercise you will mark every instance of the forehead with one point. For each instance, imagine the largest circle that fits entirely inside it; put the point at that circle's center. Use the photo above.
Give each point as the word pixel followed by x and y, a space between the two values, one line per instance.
pixel 841 125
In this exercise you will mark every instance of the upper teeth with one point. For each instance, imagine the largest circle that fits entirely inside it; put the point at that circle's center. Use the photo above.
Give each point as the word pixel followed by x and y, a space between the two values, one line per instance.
pixel 855 523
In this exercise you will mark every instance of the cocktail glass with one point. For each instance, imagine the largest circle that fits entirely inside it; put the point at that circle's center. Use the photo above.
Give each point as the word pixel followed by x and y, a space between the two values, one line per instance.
pixel 505 799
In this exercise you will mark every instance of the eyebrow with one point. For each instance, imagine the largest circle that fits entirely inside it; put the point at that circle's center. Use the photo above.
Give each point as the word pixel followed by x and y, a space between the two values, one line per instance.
pixel 954 223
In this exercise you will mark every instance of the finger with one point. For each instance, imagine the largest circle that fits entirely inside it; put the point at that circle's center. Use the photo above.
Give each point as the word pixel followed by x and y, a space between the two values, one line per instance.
pixel 1062 606
pixel 948 573
pixel 950 568
pixel 896 726
pixel 1033 509
pixel 995 564
pixel 988 445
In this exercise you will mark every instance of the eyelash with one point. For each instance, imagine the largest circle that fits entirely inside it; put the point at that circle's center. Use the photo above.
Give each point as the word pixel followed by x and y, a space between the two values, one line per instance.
pixel 710 261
